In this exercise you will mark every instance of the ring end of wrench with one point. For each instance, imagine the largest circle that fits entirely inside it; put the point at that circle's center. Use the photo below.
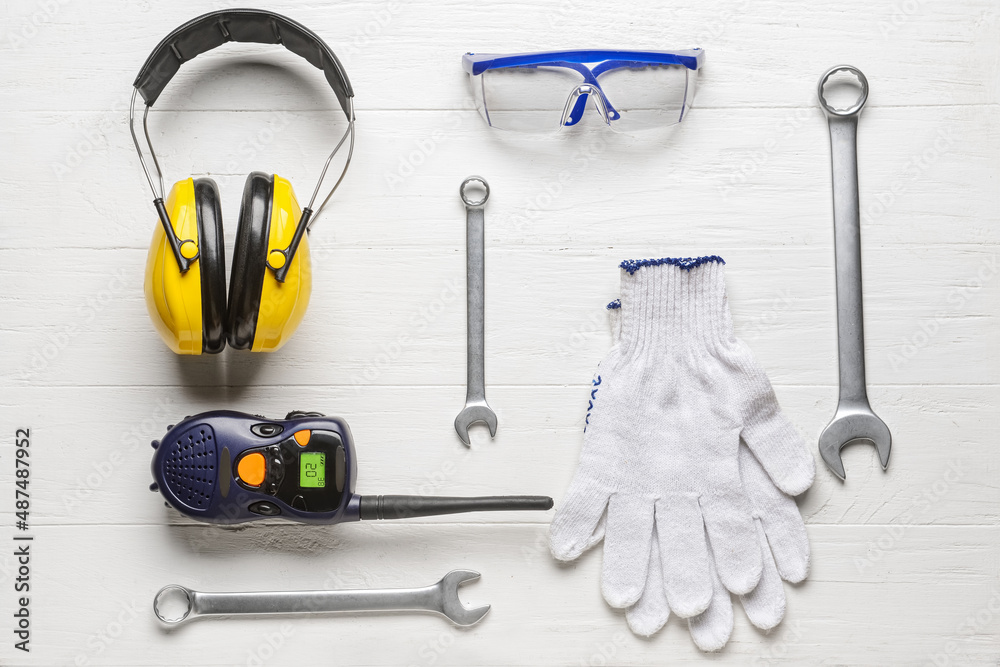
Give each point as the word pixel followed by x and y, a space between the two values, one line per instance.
pixel 851 110
pixel 169 595
pixel 470 182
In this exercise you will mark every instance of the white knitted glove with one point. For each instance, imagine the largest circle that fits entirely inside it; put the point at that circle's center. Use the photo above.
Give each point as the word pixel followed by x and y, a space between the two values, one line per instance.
pixel 784 550
pixel 661 448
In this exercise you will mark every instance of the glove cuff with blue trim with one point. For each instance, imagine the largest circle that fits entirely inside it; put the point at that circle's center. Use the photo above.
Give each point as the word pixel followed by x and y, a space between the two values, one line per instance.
pixel 673 300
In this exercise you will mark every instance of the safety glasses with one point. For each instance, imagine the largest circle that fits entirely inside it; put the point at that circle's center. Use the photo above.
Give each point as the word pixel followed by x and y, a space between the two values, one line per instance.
pixel 547 91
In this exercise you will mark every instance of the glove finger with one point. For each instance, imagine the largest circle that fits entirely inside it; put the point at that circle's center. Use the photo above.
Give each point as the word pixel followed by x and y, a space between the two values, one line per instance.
pixel 733 538
pixel 780 517
pixel 651 612
pixel 772 438
pixel 576 525
pixel 783 453
pixel 712 629
pixel 765 605
pixel 789 546
pixel 685 562
pixel 626 549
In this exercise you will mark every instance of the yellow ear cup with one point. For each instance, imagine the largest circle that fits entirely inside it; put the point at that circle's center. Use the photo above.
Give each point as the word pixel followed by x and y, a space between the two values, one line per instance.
pixel 174 298
pixel 282 305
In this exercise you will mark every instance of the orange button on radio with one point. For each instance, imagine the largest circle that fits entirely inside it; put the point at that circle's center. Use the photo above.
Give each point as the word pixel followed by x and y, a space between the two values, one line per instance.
pixel 251 469
pixel 302 437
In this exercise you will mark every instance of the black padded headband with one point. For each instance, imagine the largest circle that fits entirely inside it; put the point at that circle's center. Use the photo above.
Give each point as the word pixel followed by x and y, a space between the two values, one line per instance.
pixel 238 25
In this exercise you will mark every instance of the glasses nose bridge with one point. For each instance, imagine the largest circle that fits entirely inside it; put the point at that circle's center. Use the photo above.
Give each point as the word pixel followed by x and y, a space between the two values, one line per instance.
pixel 576 103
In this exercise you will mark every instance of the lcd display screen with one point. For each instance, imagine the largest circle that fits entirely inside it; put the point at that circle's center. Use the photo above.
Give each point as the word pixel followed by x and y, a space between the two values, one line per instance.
pixel 312 470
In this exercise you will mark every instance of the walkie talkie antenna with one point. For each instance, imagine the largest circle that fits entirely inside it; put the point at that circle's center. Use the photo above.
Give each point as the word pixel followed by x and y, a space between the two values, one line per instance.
pixel 406 507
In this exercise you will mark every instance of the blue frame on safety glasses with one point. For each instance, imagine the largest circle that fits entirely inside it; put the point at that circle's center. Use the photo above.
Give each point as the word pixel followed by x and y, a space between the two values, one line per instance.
pixel 655 91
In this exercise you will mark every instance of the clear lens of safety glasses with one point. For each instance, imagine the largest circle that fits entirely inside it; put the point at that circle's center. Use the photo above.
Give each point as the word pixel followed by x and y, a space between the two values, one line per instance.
pixel 545 92
pixel 647 96
pixel 524 99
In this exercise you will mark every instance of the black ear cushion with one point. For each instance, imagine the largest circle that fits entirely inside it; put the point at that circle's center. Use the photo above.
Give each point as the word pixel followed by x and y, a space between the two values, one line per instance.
pixel 212 260
pixel 249 259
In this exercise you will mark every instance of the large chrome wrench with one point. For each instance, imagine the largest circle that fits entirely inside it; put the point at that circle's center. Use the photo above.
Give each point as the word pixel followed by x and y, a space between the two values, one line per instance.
pixel 854 419
pixel 174 604
pixel 476 409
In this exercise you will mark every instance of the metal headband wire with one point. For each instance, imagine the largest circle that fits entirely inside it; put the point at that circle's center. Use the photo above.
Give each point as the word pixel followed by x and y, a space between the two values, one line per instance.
pixel 326 165
pixel 138 150
pixel 322 176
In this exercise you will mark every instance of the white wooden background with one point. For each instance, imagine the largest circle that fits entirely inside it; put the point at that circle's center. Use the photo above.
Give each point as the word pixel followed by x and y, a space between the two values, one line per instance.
pixel 905 563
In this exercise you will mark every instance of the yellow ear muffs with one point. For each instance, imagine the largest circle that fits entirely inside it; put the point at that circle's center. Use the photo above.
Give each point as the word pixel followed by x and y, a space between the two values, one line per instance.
pixel 212 258
pixel 186 308
pixel 283 304
pixel 264 313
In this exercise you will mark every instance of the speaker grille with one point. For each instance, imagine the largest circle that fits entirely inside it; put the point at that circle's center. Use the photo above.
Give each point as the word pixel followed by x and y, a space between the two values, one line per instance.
pixel 190 469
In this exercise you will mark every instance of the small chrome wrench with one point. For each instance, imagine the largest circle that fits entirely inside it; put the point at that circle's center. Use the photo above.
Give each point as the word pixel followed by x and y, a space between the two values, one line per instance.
pixel 476 409
pixel 854 419
pixel 175 604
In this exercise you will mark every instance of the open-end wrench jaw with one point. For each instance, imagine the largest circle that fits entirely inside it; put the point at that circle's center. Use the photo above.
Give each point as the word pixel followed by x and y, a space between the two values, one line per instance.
pixel 472 413
pixel 853 423
pixel 451 605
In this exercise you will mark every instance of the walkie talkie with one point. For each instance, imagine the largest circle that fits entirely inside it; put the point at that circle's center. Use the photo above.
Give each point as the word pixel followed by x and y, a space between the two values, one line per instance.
pixel 230 467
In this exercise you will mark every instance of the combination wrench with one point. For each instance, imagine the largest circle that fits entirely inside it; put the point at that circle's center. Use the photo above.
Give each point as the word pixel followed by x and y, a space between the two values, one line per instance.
pixel 175 604
pixel 476 409
pixel 854 420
